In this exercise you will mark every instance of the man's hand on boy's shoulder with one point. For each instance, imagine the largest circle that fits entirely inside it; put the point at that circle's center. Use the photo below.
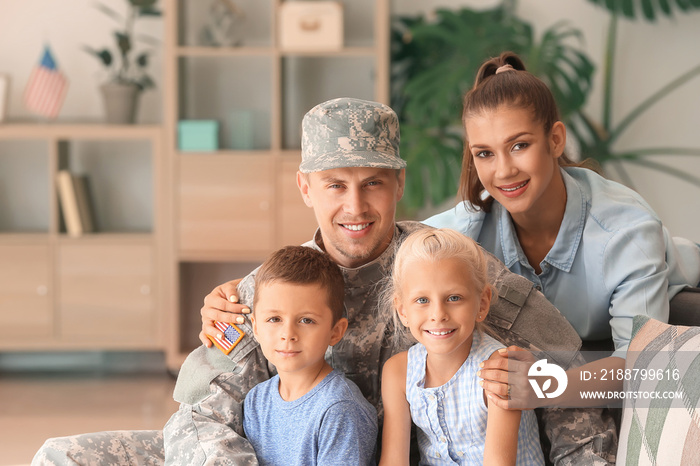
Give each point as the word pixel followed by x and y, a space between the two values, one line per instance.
pixel 221 305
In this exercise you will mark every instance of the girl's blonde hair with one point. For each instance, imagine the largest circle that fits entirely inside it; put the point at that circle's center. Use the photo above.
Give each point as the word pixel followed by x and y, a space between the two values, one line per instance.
pixel 433 245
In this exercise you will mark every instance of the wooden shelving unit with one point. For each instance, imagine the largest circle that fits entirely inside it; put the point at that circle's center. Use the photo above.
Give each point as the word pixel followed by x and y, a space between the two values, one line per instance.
pixel 233 207
pixel 171 225
pixel 96 291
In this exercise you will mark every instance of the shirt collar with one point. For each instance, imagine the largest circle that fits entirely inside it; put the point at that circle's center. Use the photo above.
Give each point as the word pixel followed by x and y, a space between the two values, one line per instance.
pixel 568 239
pixel 565 246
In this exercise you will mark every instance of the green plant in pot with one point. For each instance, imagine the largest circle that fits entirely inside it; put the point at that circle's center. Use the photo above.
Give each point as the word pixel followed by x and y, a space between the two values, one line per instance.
pixel 126 68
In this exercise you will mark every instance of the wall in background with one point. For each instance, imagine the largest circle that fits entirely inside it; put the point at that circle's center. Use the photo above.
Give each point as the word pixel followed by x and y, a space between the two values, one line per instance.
pixel 649 56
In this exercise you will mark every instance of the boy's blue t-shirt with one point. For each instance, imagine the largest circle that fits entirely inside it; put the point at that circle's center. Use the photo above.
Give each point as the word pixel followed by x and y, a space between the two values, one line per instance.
pixel 332 424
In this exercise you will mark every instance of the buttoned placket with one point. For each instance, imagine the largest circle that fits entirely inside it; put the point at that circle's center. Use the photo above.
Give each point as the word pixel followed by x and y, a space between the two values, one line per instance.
pixel 436 408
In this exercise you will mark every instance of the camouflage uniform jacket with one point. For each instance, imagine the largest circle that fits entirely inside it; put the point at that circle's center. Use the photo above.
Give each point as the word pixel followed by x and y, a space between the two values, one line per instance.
pixel 211 386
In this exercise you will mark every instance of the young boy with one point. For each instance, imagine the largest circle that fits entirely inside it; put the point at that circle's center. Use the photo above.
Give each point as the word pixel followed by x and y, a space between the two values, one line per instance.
pixel 308 413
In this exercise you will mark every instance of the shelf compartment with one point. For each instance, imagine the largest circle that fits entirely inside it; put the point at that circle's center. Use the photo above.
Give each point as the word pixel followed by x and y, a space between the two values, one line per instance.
pixel 24 186
pixel 120 180
pixel 231 91
pixel 255 28
pixel 309 80
pixel 198 279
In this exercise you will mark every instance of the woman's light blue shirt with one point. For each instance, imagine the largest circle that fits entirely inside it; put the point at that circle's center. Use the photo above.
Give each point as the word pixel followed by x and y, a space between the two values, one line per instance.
pixel 612 258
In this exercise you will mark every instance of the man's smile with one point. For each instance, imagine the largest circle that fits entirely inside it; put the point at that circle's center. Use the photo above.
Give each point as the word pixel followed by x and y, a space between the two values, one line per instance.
pixel 355 226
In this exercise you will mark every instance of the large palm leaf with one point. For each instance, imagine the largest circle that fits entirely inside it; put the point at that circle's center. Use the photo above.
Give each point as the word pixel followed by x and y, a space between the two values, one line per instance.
pixel 649 9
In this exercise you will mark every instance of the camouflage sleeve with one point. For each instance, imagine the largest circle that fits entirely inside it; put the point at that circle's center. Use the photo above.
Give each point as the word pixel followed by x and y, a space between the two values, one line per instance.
pixel 520 313
pixel 123 447
pixel 518 317
pixel 210 431
pixel 211 387
pixel 578 436
pixel 246 289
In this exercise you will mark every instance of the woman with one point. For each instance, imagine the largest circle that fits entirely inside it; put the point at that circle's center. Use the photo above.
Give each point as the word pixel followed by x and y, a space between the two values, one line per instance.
pixel 595 248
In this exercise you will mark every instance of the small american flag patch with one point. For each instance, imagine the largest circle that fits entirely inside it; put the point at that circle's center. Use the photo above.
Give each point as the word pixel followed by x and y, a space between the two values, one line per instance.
pixel 231 335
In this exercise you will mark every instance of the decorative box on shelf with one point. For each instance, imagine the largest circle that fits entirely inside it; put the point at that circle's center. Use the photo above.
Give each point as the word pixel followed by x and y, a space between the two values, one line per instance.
pixel 311 26
pixel 198 135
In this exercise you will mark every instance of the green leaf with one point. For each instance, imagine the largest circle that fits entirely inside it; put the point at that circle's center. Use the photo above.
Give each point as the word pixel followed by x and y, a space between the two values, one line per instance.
pixel 143 3
pixel 149 11
pixel 650 8
pixel 142 60
pixel 628 8
pixel 684 5
pixel 110 12
pixel 612 5
pixel 123 42
pixel 104 55
pixel 665 7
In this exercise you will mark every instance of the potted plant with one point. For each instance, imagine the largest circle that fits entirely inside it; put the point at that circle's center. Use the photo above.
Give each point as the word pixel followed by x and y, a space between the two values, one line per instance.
pixel 126 68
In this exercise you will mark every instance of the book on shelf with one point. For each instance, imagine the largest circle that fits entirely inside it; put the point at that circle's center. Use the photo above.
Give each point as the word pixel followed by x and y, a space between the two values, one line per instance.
pixel 74 198
pixel 82 194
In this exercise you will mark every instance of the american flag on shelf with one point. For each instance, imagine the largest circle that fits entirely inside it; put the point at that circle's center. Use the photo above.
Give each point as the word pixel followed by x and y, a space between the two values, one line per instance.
pixel 231 335
pixel 46 88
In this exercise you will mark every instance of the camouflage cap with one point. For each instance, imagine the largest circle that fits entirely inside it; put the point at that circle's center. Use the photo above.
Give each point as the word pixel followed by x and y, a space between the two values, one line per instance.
pixel 348 132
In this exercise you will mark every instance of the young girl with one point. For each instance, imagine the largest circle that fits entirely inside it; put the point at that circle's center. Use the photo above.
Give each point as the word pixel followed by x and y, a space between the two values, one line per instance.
pixel 595 248
pixel 440 293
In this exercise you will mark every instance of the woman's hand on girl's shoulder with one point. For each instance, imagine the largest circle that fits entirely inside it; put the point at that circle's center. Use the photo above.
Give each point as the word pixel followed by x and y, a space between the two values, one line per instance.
pixel 505 378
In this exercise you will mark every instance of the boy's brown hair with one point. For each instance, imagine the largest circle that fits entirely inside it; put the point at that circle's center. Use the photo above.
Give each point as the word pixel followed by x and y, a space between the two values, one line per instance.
pixel 300 265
